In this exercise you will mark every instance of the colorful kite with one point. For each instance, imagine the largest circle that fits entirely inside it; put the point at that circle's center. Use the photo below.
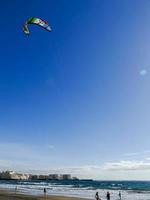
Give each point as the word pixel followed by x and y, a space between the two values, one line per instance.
pixel 37 21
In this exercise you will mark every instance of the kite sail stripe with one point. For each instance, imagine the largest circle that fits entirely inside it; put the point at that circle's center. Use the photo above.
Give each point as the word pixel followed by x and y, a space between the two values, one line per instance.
pixel 37 21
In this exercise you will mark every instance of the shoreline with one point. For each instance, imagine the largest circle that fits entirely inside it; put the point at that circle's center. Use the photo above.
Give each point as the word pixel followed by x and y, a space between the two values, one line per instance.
pixel 11 194
pixel 8 194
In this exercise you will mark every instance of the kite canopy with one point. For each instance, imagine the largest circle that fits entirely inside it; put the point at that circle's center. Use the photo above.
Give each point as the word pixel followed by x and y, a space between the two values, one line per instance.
pixel 37 21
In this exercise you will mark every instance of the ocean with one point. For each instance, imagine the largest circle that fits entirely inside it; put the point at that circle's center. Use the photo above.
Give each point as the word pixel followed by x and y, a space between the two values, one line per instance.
pixel 137 190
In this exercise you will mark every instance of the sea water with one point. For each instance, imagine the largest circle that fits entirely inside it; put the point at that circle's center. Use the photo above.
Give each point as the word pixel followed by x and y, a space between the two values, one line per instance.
pixel 133 190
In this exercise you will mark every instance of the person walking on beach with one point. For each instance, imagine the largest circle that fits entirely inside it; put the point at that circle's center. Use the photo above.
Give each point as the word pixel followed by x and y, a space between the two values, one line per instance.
pixel 119 195
pixel 108 196
pixel 44 191
pixel 15 189
pixel 97 196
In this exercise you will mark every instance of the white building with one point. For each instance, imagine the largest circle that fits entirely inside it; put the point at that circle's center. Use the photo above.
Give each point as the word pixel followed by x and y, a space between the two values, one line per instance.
pixel 13 175
pixel 53 177
pixel 65 176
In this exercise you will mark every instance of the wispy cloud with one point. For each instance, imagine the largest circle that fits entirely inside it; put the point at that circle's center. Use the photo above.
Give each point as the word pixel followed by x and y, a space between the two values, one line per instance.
pixel 143 72
pixel 21 156
pixel 131 154
pixel 142 153
pixel 102 170
pixel 127 165
pixel 32 159
pixel 146 151
pixel 148 158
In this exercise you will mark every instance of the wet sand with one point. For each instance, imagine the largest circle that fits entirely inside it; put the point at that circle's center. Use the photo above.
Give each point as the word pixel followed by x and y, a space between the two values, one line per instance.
pixel 10 195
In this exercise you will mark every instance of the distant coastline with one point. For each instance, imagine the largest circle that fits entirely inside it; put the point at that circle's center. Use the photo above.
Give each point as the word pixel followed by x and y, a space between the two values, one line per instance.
pixel 11 175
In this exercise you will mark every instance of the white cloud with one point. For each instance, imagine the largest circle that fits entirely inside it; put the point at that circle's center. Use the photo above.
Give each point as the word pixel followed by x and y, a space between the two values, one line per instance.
pixel 132 154
pixel 148 158
pixel 127 165
pixel 146 151
pixel 143 72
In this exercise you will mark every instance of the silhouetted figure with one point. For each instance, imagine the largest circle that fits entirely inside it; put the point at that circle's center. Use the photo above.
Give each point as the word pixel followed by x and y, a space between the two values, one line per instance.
pixel 97 196
pixel 15 189
pixel 108 196
pixel 119 195
pixel 44 191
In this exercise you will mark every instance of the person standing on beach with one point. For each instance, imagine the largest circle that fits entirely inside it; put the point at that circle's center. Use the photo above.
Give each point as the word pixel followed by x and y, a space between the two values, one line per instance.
pixel 119 195
pixel 15 189
pixel 44 191
pixel 108 196
pixel 97 196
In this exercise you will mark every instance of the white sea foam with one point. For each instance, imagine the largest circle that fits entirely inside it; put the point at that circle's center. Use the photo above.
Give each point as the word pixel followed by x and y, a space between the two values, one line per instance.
pixel 65 190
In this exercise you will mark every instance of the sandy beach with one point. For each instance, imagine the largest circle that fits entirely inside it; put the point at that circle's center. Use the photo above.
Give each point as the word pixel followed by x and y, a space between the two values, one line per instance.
pixel 10 195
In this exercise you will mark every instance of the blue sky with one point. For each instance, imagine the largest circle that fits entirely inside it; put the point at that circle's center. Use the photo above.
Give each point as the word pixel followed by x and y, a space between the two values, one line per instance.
pixel 77 99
